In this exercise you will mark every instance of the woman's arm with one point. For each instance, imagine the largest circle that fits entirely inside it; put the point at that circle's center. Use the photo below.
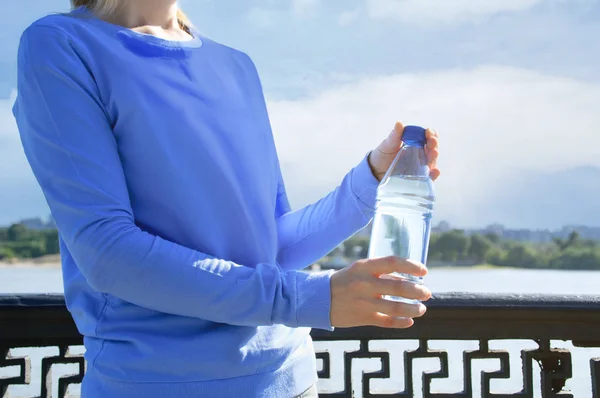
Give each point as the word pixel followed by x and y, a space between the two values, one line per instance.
pixel 72 150
pixel 308 234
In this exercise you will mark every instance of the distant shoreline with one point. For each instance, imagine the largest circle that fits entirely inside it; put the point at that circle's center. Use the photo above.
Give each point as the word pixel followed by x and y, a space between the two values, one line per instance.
pixel 51 261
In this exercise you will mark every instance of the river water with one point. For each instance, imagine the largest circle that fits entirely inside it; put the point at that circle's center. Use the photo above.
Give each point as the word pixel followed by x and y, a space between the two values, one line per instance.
pixel 48 280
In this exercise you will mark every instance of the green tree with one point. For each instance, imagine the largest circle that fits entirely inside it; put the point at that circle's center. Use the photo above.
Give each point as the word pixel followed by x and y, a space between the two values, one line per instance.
pixel 577 258
pixel 451 246
pixel 51 245
pixel 564 244
pixel 6 253
pixel 496 256
pixel 434 254
pixel 590 244
pixel 493 237
pixel 17 232
pixel 479 247
pixel 521 255
pixel 37 249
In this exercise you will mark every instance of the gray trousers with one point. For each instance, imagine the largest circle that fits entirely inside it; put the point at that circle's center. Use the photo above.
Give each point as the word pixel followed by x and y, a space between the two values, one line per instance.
pixel 310 393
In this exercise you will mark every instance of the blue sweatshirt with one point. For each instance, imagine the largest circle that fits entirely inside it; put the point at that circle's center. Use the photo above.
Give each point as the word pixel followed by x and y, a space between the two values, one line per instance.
pixel 181 256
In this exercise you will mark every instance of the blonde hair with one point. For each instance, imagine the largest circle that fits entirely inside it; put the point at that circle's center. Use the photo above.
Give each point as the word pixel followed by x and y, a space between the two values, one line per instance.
pixel 106 7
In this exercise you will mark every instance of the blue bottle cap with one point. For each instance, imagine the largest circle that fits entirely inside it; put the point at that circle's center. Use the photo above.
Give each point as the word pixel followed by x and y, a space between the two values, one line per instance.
pixel 414 135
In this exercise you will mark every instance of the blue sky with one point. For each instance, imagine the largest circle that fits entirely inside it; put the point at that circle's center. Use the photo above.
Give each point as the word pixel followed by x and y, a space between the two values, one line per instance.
pixel 504 81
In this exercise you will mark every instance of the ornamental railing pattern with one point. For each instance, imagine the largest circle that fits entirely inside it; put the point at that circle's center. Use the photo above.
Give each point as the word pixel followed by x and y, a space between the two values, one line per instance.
pixel 467 345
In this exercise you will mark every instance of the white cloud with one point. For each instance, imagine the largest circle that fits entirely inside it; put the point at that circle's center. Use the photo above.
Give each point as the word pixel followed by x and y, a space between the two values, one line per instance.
pixel 425 11
pixel 10 145
pixel 263 17
pixel 347 17
pixel 305 8
pixel 493 120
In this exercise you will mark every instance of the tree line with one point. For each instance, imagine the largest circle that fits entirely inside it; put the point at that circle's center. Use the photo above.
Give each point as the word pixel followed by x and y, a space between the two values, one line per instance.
pixel 454 247
pixel 18 241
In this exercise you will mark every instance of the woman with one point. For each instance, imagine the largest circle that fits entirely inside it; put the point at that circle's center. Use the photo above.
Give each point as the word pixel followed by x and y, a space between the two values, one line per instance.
pixel 181 256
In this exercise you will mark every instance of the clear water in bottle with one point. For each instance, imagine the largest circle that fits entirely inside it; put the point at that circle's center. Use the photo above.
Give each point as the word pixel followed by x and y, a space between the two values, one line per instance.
pixel 405 202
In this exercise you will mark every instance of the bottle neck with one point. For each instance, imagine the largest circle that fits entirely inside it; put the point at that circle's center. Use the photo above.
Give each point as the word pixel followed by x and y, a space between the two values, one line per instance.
pixel 410 161
pixel 414 144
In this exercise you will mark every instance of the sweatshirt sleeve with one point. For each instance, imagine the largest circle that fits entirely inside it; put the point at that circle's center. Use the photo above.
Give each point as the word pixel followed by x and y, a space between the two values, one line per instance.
pixel 69 143
pixel 308 234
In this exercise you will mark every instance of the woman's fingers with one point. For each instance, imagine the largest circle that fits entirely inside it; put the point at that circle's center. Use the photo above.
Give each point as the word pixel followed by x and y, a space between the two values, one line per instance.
pixel 432 150
pixel 398 309
pixel 357 294
pixel 399 287
pixel 390 322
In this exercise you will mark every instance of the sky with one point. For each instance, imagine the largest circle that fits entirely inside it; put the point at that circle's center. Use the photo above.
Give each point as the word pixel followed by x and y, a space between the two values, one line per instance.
pixel 512 86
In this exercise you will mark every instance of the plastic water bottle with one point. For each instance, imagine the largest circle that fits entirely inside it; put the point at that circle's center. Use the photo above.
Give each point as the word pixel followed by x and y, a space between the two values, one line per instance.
pixel 405 202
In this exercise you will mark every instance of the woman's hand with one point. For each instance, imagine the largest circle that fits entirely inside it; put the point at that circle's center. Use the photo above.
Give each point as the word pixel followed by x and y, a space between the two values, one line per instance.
pixel 382 157
pixel 357 294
